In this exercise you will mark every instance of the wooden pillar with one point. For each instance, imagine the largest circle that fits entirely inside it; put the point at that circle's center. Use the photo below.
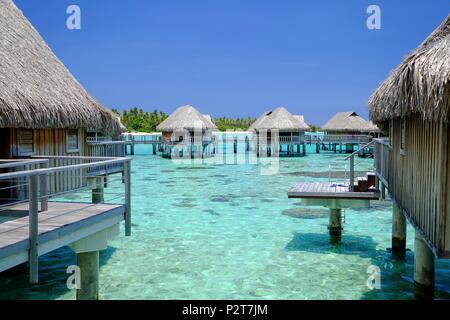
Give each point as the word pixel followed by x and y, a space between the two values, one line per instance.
pixel 98 190
pixel 317 148
pixel 132 149
pixel 88 262
pixel 383 191
pixel 33 230
pixel 398 232
pixel 423 269
pixel 304 148
pixel 335 226
pixel 154 148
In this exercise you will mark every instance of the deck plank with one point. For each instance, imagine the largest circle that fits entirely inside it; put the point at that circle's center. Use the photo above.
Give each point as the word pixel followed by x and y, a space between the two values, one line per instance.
pixel 60 219
pixel 327 190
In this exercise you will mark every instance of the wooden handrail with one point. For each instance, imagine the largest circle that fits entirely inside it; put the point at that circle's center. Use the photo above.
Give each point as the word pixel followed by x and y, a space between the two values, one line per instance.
pixel 362 148
pixel 27 173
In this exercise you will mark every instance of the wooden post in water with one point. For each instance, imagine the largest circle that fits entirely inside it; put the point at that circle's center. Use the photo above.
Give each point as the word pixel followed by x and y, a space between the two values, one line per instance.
pixel 383 191
pixel 88 262
pixel 423 269
pixel 335 226
pixel 98 190
pixel 398 232
pixel 127 174
pixel 352 174
pixel 33 257
pixel 304 148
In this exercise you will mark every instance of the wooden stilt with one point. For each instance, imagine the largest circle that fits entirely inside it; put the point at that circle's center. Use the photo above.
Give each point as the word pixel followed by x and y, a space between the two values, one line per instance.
pixel 423 269
pixel 398 233
pixel 88 262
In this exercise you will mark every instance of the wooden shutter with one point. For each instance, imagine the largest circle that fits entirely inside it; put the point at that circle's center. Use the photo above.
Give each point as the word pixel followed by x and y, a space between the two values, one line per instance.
pixel 72 140
pixel 25 142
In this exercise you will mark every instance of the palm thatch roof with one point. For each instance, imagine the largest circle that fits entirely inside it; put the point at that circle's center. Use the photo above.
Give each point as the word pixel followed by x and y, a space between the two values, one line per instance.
pixel 280 119
pixel 349 122
pixel 187 118
pixel 420 84
pixel 36 90
pixel 209 119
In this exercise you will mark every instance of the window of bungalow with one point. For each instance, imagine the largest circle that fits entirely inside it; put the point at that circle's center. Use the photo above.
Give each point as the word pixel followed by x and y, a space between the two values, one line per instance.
pixel 402 135
pixel 72 141
pixel 25 142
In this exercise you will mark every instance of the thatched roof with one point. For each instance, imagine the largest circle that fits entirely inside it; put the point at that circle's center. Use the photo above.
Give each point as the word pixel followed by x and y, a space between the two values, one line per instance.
pixel 187 118
pixel 420 84
pixel 209 119
pixel 280 119
pixel 36 90
pixel 348 122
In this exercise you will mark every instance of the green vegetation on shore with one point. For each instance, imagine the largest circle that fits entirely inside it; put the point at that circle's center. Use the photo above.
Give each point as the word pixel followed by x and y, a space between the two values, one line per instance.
pixel 224 124
pixel 138 120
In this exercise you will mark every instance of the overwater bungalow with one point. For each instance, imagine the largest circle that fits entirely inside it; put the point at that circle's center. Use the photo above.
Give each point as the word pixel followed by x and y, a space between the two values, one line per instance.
pixel 347 129
pixel 412 105
pixel 187 133
pixel 49 147
pixel 278 128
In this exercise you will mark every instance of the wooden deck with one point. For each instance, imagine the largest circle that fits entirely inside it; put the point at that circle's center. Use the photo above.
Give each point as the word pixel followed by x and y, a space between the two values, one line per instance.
pixel 326 190
pixel 63 224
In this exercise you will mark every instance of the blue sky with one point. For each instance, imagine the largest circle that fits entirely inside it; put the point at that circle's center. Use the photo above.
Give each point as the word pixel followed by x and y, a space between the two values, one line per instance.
pixel 234 58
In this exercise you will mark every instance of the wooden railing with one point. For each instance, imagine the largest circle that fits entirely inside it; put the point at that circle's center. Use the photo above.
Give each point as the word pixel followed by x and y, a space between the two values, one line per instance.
pixel 97 139
pixel 289 139
pixel 194 139
pixel 337 138
pixel 106 149
pixel 381 157
pixel 352 164
pixel 141 138
pixel 37 172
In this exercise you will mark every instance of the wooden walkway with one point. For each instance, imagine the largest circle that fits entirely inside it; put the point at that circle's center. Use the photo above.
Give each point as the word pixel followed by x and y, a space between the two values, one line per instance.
pixel 63 224
pixel 326 190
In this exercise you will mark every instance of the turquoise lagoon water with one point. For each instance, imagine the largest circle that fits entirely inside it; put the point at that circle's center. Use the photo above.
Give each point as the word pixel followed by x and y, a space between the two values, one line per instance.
pixel 215 231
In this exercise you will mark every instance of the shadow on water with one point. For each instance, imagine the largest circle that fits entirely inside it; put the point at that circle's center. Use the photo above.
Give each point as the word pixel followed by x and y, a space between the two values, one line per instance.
pixel 52 276
pixel 396 281
pixel 364 246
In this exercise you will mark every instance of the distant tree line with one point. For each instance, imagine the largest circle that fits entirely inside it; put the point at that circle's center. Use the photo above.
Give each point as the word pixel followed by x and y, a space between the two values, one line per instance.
pixel 313 128
pixel 139 120
pixel 224 124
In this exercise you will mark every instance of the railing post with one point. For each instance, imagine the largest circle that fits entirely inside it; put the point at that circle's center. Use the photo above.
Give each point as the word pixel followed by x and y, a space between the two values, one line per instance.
pixel 33 257
pixel 44 188
pixel 127 174
pixel 352 173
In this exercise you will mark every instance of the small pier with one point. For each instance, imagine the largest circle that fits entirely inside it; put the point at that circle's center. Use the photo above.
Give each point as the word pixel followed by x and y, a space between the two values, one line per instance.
pixel 352 193
pixel 131 139
pixel 340 143
pixel 326 190
pixel 35 219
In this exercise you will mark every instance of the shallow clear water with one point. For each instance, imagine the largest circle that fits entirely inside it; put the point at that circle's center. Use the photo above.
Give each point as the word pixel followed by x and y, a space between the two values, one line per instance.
pixel 212 231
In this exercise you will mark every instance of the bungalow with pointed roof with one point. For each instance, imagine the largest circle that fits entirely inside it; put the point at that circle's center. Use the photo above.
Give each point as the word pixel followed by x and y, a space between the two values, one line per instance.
pixel 278 128
pixel 44 110
pixel 413 105
pixel 348 129
pixel 187 133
